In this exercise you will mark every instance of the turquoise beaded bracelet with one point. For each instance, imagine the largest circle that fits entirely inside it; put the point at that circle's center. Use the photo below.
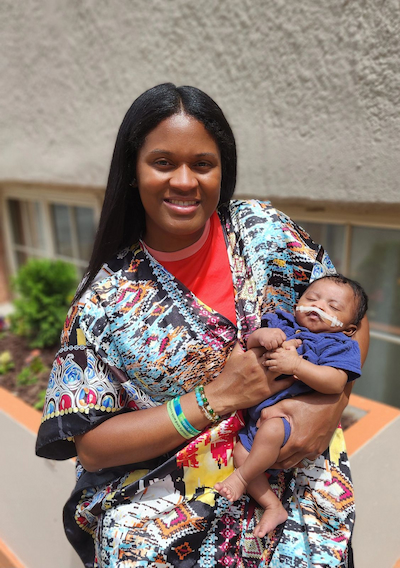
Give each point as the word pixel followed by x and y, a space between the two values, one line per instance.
pixel 204 405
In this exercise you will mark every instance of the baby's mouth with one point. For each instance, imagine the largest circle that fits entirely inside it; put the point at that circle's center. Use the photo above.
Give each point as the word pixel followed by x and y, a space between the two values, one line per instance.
pixel 315 314
pixel 334 321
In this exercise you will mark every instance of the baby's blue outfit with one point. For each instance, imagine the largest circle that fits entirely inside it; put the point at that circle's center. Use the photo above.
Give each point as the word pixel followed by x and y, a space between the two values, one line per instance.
pixel 327 349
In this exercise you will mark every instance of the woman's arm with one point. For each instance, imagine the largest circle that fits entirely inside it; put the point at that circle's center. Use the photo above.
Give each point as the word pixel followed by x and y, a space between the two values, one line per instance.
pixel 144 434
pixel 314 417
pixel 362 337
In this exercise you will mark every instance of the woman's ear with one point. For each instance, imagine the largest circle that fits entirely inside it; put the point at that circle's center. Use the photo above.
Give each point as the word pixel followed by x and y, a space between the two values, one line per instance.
pixel 351 329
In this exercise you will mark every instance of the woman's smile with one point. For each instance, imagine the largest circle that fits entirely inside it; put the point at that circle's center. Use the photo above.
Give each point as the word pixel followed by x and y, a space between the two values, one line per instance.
pixel 179 179
pixel 181 204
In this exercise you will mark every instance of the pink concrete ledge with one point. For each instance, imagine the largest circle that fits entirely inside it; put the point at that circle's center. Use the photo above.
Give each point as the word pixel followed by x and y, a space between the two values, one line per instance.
pixel 7 558
pixel 377 417
pixel 19 410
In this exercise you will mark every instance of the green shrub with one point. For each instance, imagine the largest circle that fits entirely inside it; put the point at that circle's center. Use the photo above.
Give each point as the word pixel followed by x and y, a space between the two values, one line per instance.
pixel 41 397
pixel 26 377
pixel 6 362
pixel 44 291
pixel 29 375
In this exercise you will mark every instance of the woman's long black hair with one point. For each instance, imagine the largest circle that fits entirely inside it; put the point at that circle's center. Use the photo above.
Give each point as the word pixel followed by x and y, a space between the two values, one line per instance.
pixel 122 220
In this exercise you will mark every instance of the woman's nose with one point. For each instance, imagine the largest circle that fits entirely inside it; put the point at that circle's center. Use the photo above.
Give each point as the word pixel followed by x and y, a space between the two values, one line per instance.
pixel 183 178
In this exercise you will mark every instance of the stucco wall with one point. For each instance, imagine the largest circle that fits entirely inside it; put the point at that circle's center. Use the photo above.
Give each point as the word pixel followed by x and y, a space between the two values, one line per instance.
pixel 311 88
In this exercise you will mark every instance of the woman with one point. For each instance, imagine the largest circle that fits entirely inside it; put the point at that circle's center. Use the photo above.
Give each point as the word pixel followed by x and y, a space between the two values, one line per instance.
pixel 152 373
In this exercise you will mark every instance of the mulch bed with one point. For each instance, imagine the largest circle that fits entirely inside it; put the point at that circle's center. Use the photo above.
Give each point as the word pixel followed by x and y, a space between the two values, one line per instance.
pixel 21 353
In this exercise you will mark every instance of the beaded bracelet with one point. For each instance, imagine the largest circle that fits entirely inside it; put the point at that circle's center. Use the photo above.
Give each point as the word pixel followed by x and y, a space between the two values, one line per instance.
pixel 204 405
pixel 179 420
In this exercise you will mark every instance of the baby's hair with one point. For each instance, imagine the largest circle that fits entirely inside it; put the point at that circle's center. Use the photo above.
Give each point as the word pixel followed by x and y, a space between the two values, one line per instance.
pixel 358 291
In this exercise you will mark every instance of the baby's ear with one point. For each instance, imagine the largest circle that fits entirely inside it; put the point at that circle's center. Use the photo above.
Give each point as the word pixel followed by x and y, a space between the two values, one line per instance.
pixel 351 329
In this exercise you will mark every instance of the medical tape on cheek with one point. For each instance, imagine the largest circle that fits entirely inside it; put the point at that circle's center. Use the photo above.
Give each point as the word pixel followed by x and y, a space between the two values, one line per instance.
pixel 334 320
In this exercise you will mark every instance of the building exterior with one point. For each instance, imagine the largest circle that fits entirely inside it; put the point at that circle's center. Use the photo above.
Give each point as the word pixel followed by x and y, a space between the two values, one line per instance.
pixel 310 89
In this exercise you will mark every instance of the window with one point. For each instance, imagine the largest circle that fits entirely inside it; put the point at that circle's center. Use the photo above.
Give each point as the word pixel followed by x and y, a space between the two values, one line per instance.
pixel 26 228
pixel 371 255
pixel 73 229
pixel 46 227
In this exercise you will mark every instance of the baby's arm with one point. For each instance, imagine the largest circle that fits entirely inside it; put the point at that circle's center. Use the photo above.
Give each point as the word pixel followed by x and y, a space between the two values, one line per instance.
pixel 268 337
pixel 324 379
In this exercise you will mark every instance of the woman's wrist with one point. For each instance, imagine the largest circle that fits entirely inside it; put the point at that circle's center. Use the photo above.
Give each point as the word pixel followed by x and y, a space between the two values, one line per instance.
pixel 220 401
pixel 204 404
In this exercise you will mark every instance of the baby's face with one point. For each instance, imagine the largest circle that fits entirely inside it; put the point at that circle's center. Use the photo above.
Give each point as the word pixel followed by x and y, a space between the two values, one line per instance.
pixel 334 299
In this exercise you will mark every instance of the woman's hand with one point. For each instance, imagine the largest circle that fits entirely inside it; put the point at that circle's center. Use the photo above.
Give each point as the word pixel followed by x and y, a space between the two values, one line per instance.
pixel 283 360
pixel 244 382
pixel 314 418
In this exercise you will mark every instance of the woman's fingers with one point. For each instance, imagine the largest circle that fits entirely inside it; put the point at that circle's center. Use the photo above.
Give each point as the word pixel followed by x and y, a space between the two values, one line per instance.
pixel 313 418
pixel 244 381
pixel 296 460
pixel 292 343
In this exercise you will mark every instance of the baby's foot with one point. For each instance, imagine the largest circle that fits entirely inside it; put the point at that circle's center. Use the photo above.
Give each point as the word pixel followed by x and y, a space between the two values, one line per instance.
pixel 272 517
pixel 232 487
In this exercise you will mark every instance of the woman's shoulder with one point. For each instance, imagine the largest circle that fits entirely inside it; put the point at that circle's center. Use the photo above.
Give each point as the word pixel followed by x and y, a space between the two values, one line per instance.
pixel 121 266
pixel 100 294
pixel 257 209
pixel 261 218
pixel 105 285
pixel 249 206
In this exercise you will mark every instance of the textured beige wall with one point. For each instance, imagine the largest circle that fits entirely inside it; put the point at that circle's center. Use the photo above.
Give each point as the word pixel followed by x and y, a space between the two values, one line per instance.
pixel 311 88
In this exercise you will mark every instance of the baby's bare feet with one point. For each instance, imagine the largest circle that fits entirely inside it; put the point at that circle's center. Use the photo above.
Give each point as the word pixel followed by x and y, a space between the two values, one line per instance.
pixel 272 517
pixel 232 487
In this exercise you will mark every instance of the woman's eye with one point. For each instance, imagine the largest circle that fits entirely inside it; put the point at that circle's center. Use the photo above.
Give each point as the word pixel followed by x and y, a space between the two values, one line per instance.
pixel 162 163
pixel 202 165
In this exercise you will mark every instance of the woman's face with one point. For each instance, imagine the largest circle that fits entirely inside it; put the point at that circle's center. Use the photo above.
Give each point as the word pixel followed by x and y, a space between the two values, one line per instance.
pixel 178 173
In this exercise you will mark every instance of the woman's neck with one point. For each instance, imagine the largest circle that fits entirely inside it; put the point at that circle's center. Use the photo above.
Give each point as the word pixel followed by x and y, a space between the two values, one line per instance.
pixel 182 253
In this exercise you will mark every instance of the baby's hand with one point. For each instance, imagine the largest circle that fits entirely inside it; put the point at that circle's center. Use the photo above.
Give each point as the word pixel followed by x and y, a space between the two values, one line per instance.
pixel 283 360
pixel 268 337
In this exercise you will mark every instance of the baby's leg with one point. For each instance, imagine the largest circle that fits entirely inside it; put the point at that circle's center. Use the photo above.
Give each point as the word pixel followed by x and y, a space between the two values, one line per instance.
pixel 234 485
pixel 265 450
pixel 274 513
pixel 272 436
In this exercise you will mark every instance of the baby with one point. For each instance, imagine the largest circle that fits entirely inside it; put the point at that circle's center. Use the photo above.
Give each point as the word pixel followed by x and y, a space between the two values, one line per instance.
pixel 327 315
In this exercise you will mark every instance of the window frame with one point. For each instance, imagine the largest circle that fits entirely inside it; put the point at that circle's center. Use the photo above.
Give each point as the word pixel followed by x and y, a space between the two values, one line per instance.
pixel 71 196
pixel 387 217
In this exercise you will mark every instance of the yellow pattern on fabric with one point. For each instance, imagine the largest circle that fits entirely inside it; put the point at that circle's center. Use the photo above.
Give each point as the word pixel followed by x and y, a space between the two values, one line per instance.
pixel 80 337
pixel 337 446
pixel 208 459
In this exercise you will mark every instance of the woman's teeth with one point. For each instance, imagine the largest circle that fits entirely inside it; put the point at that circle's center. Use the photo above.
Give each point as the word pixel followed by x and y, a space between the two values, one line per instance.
pixel 182 203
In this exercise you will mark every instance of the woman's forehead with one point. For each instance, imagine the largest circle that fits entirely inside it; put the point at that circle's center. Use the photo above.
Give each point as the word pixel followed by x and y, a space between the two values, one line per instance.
pixel 180 132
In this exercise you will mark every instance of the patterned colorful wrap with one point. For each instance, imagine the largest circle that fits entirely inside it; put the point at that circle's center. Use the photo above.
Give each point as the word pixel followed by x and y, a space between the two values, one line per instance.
pixel 139 338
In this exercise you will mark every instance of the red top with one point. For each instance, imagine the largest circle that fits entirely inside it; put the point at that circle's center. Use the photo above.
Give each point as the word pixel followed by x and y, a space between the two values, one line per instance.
pixel 204 269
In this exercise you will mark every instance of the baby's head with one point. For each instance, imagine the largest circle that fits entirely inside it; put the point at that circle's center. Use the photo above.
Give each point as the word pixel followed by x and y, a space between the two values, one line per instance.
pixel 332 303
